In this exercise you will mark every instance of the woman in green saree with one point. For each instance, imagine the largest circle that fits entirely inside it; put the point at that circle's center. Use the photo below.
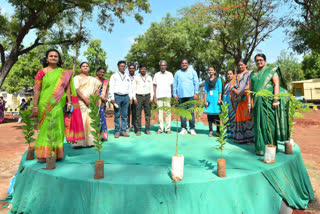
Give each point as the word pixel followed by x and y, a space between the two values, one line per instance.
pixel 54 82
pixel 270 114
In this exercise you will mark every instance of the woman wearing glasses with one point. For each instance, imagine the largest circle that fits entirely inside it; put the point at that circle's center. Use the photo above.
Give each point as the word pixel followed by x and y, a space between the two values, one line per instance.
pixel 270 115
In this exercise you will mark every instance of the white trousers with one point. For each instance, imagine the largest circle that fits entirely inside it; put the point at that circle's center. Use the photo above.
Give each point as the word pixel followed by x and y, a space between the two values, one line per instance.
pixel 161 103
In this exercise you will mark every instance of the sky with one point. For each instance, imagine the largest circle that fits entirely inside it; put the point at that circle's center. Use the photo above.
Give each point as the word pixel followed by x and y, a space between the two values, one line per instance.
pixel 118 42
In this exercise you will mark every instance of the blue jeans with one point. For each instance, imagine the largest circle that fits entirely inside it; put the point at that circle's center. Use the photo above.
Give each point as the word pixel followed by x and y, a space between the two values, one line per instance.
pixel 183 119
pixel 122 110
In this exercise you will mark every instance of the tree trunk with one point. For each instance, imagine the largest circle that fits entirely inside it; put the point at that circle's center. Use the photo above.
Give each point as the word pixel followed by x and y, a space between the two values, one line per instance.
pixel 6 67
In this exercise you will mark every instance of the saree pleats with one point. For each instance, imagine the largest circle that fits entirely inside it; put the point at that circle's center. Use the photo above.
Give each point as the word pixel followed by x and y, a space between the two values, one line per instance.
pixel 270 124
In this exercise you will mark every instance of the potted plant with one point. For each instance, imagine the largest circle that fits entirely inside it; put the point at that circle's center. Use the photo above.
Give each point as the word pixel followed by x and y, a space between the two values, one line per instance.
pixel 51 136
pixel 96 126
pixel 180 110
pixel 270 149
pixel 222 138
pixel 28 130
pixel 295 108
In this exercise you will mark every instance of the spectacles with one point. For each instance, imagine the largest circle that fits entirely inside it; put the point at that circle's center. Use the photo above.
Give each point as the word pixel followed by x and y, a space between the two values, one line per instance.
pixel 259 60
pixel 184 63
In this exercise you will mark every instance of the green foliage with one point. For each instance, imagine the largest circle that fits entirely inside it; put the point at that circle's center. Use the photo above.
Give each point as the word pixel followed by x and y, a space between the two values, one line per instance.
pixel 52 126
pixel 181 110
pixel 311 66
pixel 96 56
pixel 305 34
pixel 28 128
pixel 238 26
pixel 21 76
pixel 96 123
pixel 295 109
pixel 290 66
pixel 224 119
pixel 54 23
pixel 172 39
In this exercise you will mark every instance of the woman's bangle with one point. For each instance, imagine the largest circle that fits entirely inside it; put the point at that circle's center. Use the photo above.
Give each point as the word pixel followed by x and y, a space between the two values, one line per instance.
pixel 34 107
pixel 249 104
pixel 69 104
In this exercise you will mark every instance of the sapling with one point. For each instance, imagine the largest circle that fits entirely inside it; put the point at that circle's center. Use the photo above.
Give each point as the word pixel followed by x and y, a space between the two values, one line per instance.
pixel 224 120
pixel 28 128
pixel 96 124
pixel 97 136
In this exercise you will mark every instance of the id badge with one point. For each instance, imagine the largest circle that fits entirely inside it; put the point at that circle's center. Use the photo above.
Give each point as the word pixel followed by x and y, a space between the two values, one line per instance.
pixel 211 93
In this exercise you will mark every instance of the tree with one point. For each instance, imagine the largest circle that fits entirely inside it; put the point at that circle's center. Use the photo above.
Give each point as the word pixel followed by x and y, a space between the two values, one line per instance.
pixel 171 39
pixel 306 35
pixel 290 67
pixel 311 66
pixel 45 17
pixel 25 69
pixel 96 56
pixel 238 26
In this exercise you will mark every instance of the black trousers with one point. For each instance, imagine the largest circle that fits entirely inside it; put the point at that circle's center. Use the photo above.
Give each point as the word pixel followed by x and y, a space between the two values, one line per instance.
pixel 143 103
pixel 131 116
pixel 214 119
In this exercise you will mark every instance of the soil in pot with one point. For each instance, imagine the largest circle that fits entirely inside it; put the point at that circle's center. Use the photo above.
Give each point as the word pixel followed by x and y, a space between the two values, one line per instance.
pixel 222 168
pixel 99 169
pixel 288 148
pixel 51 162
pixel 30 153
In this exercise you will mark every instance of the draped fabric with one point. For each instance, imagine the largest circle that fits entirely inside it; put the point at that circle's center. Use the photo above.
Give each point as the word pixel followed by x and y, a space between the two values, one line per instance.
pixel 227 99
pixel 52 84
pixel 87 86
pixel 73 125
pixel 270 125
pixel 102 112
pixel 243 121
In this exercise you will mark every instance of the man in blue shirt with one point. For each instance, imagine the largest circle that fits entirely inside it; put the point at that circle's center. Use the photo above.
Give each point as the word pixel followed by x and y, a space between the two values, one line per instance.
pixel 186 88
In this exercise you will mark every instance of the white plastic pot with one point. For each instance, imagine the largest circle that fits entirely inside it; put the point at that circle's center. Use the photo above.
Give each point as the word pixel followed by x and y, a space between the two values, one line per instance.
pixel 270 154
pixel 292 142
pixel 177 165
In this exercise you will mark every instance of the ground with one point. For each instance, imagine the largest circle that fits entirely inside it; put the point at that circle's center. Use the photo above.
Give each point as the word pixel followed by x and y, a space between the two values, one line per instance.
pixel 306 134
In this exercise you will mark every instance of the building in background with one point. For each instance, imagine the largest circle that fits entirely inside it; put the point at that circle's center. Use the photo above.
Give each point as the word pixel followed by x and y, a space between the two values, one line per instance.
pixel 309 89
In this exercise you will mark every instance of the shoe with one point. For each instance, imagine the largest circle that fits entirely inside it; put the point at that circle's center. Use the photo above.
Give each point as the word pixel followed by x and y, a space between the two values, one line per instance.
pixel 183 131
pixel 148 133
pixel 124 134
pixel 116 135
pixel 168 132
pixel 210 134
pixel 159 132
pixel 138 133
pixel 192 132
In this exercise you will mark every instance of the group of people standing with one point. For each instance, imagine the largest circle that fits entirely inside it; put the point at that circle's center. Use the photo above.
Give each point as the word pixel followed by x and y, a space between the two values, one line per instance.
pixel 130 94
pixel 256 119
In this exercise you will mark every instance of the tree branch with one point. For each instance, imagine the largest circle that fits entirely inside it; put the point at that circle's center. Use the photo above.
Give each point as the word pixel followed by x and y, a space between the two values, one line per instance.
pixel 35 44
pixel 3 56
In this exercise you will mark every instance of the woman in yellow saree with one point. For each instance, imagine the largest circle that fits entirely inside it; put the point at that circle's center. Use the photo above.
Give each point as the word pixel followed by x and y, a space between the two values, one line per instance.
pixel 54 82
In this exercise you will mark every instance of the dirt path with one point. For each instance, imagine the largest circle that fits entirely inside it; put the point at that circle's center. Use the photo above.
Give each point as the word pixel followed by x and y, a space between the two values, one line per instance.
pixel 307 135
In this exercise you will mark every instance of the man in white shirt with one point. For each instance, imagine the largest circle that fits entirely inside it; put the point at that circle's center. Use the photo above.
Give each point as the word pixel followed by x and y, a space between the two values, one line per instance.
pixel 143 95
pixel 120 93
pixel 162 85
pixel 132 107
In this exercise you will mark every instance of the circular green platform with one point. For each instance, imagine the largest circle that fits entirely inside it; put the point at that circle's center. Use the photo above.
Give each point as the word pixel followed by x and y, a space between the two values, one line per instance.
pixel 137 179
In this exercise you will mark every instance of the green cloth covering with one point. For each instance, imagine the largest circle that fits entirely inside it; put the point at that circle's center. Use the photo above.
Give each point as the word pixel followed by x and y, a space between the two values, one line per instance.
pixel 269 123
pixel 137 179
